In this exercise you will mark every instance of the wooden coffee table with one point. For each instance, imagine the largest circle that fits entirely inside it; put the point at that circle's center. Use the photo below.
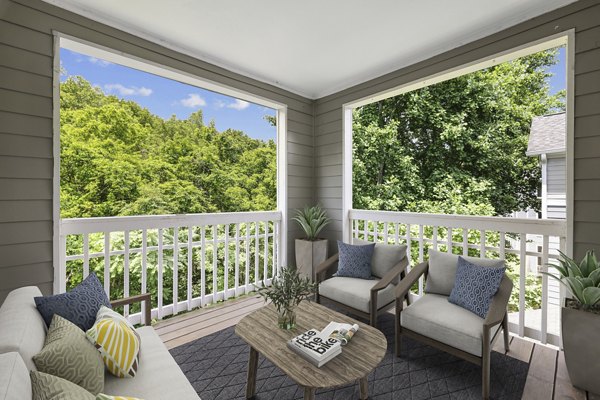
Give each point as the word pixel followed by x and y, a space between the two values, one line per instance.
pixel 364 352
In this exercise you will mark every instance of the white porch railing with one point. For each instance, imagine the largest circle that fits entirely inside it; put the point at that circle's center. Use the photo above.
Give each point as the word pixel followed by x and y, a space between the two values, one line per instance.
pixel 474 236
pixel 184 261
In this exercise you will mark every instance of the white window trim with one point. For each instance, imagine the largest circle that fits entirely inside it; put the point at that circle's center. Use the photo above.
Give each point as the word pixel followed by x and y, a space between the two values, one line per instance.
pixel 566 38
pixel 62 40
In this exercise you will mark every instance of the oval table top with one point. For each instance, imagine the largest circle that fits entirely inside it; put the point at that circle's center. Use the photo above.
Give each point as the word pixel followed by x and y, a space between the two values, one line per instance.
pixel 358 358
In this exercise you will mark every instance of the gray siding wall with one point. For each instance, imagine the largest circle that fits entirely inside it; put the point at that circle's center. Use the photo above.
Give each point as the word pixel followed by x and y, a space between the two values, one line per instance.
pixel 584 17
pixel 556 199
pixel 26 162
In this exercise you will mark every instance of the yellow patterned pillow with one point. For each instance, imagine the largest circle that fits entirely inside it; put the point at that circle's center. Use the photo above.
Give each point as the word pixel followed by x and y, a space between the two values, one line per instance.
pixel 117 341
pixel 103 396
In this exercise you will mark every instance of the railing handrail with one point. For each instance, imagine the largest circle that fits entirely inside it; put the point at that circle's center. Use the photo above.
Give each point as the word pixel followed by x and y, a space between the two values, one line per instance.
pixel 551 227
pixel 73 226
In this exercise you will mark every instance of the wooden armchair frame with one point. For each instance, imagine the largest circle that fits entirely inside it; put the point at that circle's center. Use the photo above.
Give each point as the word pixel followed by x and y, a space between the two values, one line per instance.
pixel 497 314
pixel 144 298
pixel 398 270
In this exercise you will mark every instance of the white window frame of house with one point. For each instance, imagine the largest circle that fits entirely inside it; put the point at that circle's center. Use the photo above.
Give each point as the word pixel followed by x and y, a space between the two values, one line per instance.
pixel 566 38
pixel 62 40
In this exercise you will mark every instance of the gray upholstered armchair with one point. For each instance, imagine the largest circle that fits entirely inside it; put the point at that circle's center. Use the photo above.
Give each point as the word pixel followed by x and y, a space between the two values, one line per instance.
pixel 366 298
pixel 446 326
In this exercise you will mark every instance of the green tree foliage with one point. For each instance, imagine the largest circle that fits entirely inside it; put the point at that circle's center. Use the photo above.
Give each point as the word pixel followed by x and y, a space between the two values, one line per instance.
pixel 119 159
pixel 457 146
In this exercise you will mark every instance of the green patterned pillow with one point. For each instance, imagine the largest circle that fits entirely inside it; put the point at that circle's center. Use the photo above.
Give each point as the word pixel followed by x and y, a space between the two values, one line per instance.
pixel 103 396
pixel 69 355
pixel 48 387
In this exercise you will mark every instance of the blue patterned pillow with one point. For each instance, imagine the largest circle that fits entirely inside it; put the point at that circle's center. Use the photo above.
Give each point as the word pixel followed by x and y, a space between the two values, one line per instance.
pixel 475 286
pixel 78 306
pixel 355 261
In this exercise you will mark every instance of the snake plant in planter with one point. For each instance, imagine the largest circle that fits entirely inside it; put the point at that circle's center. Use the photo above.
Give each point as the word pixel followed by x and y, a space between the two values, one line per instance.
pixel 311 250
pixel 581 319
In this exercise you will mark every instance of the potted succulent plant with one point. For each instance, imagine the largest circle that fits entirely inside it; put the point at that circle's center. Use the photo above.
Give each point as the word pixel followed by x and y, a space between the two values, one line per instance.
pixel 311 250
pixel 287 290
pixel 581 319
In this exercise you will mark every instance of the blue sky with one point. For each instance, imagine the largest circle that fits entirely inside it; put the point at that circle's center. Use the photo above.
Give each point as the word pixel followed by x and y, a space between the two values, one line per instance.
pixel 165 97
pixel 558 81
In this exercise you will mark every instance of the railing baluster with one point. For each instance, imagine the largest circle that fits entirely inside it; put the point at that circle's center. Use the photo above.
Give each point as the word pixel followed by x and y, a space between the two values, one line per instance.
pixel 397 233
pixel 226 266
pixel 502 245
pixel 256 253
pixel 276 228
pixel 237 258
pixel 215 266
pixel 449 240
pixel 544 327
pixel 385 233
pixel 86 255
pixel 408 244
pixel 247 277
pixel 482 244
pixel 126 272
pixel 375 231
pixel 175 269
pixel 522 282
pixel 190 266
pixel 435 238
pixel 421 257
pixel 355 222
pixel 266 253
pixel 465 244
pixel 144 261
pixel 107 263
pixel 160 273
pixel 365 230
pixel 202 265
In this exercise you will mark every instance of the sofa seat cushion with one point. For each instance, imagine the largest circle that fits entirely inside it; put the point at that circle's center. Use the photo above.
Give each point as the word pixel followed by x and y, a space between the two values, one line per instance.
pixel 355 292
pixel 158 376
pixel 14 377
pixel 22 328
pixel 433 316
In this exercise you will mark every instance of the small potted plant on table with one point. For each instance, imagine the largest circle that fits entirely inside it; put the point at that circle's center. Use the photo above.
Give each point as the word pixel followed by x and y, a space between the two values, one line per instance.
pixel 287 290
pixel 311 250
pixel 581 319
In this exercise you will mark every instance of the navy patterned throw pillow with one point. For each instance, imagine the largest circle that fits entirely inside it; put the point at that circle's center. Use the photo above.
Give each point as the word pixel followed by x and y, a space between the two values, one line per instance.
pixel 355 261
pixel 78 306
pixel 475 286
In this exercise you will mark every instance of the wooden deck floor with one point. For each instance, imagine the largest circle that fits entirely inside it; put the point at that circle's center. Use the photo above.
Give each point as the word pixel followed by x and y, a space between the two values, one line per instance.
pixel 547 379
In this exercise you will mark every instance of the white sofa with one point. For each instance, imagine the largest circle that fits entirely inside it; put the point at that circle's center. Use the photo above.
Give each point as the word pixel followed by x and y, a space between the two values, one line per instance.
pixel 22 335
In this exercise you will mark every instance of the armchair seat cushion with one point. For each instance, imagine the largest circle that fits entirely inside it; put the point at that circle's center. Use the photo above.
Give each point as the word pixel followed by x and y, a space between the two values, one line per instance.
pixel 433 316
pixel 355 292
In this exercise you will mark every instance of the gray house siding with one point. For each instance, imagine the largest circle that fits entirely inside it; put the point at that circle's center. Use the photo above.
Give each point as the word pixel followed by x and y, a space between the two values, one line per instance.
pixel 26 160
pixel 584 17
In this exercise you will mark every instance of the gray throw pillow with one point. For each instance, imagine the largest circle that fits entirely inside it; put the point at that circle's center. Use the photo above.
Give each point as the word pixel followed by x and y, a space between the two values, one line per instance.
pixel 68 354
pixel 48 387
pixel 80 305
pixel 355 261
pixel 475 286
pixel 442 271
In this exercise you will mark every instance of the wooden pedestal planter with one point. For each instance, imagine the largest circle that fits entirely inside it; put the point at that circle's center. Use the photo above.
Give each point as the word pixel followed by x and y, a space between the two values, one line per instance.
pixel 309 254
pixel 580 333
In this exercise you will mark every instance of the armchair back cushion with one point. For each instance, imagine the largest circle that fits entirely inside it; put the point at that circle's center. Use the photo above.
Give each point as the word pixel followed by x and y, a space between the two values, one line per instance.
pixel 22 328
pixel 442 270
pixel 385 257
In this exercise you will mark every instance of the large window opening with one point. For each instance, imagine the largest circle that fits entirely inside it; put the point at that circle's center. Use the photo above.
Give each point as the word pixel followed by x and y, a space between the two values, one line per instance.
pixel 468 162
pixel 165 183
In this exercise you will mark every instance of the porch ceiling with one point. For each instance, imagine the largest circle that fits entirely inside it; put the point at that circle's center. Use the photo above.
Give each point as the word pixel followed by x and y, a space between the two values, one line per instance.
pixel 312 47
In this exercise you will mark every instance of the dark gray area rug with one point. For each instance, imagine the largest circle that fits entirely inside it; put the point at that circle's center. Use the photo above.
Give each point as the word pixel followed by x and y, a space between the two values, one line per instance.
pixel 216 366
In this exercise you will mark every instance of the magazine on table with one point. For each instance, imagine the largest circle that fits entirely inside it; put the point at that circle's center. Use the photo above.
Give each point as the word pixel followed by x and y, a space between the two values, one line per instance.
pixel 340 331
pixel 315 348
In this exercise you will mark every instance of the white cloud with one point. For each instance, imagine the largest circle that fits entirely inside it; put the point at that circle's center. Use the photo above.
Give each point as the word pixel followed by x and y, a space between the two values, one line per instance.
pixel 127 91
pixel 193 101
pixel 98 61
pixel 220 104
pixel 239 105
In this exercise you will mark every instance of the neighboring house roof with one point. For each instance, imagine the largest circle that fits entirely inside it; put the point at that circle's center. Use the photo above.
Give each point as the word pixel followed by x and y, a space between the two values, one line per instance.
pixel 547 134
